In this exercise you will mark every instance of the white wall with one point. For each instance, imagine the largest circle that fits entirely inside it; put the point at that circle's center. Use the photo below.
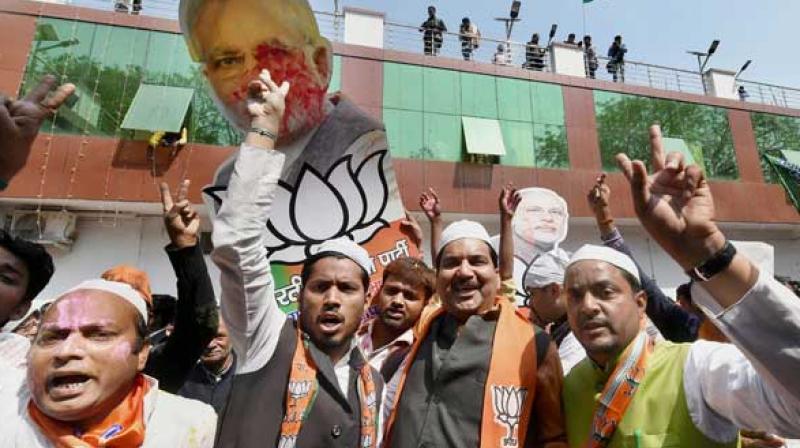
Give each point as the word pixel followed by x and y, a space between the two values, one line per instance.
pixel 101 244
pixel 139 241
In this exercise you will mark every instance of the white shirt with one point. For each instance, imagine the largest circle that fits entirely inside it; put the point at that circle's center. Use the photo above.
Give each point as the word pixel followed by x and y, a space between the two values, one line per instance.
pixel 755 384
pixel 170 420
pixel 377 357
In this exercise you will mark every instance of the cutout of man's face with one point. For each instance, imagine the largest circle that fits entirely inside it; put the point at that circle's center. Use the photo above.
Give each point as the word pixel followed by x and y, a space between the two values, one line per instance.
pixel 237 39
pixel 541 218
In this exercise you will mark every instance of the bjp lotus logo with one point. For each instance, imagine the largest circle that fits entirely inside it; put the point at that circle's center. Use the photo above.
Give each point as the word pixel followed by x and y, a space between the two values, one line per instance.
pixel 287 442
pixel 299 389
pixel 507 402
pixel 347 201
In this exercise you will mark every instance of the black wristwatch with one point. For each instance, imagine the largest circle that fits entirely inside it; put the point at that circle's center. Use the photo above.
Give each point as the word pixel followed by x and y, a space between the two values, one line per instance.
pixel 714 265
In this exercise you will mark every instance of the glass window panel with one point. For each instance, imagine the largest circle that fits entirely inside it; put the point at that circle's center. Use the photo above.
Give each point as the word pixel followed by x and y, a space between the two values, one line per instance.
pixel 623 121
pixel 336 75
pixel 442 91
pixel 548 103
pixel 513 97
pixel 404 133
pixel 550 142
pixel 774 133
pixel 402 86
pixel 518 137
pixel 478 96
pixel 444 137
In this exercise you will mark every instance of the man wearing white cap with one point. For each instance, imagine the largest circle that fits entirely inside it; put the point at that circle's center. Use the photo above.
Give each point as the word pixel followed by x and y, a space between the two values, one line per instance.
pixel 84 384
pixel 478 375
pixel 682 395
pixel 299 383
pixel 544 284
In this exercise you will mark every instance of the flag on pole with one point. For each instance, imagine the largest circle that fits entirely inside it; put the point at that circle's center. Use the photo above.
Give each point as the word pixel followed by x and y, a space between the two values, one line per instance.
pixel 788 175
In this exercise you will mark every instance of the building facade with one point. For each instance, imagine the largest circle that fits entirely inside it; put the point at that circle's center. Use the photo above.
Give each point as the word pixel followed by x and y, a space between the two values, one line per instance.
pixel 92 161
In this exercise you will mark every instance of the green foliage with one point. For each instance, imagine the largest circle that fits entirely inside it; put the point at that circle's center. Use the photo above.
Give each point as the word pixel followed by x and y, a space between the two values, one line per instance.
pixel 551 147
pixel 774 133
pixel 110 86
pixel 623 121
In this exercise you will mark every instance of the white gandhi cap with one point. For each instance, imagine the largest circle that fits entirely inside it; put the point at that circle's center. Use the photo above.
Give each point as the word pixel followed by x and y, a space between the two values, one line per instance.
pixel 607 254
pixel 119 289
pixel 347 248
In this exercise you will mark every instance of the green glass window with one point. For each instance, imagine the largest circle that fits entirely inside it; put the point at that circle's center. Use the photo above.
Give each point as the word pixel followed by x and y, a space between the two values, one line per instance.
pixel 444 137
pixel 518 137
pixel 108 63
pixel 531 114
pixel 336 75
pixel 513 98
pixel 774 133
pixel 441 91
pixel 550 143
pixel 404 134
pixel 623 121
pixel 402 86
pixel 548 103
pixel 478 96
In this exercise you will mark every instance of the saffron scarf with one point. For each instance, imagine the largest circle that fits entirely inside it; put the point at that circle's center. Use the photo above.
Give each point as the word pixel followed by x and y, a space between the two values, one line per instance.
pixel 619 390
pixel 510 383
pixel 123 427
pixel 302 390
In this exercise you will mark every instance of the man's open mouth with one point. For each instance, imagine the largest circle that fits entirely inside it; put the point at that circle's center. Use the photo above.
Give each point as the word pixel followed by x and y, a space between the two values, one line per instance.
pixel 330 323
pixel 68 385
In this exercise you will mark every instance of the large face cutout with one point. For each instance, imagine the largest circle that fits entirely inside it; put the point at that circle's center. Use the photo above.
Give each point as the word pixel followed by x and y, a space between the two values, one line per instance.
pixel 237 39
pixel 541 218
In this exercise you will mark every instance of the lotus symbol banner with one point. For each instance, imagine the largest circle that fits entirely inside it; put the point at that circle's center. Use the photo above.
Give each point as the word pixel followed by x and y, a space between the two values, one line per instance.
pixel 507 402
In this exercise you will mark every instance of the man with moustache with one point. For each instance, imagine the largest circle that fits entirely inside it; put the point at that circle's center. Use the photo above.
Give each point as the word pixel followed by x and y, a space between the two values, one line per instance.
pixel 407 286
pixel 211 379
pixel 646 393
pixel 301 383
pixel 479 375
pixel 84 384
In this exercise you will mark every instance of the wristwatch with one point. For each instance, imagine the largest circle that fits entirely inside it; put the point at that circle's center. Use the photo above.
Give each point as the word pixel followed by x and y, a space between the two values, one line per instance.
pixel 714 265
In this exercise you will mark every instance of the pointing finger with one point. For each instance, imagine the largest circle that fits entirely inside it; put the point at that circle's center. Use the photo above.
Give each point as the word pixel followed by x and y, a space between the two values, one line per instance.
pixel 166 197
pixel 656 148
pixel 39 93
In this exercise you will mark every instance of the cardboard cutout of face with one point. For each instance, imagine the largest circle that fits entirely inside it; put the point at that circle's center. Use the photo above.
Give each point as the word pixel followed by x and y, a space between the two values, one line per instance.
pixel 542 220
pixel 338 178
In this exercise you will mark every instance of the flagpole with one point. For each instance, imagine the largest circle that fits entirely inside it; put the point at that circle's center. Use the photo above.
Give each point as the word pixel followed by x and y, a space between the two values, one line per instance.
pixel 583 8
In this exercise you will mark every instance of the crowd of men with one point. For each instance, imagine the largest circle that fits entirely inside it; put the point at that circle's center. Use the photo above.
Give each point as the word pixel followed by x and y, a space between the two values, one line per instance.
pixel 599 357
pixel 433 31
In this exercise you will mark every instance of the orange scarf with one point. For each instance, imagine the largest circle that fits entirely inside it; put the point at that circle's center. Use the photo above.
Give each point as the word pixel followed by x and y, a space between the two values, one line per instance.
pixel 620 389
pixel 301 393
pixel 510 384
pixel 123 427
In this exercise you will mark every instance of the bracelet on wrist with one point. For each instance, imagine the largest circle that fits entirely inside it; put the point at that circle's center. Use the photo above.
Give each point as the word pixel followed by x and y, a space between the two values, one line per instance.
pixel 714 264
pixel 264 132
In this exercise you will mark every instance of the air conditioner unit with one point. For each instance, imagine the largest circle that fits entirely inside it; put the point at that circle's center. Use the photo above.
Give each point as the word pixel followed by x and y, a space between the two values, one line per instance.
pixel 46 228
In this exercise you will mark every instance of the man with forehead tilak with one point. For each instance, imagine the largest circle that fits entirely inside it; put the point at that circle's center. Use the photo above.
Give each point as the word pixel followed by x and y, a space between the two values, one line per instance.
pixel 479 374
pixel 84 383
pixel 632 391
pixel 298 383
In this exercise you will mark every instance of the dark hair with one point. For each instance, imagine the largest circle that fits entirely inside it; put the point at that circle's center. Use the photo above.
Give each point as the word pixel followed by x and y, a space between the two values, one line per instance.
pixel 308 267
pixel 141 334
pixel 635 285
pixel 492 254
pixel 618 37
pixel 38 261
pixel 412 271
pixel 684 290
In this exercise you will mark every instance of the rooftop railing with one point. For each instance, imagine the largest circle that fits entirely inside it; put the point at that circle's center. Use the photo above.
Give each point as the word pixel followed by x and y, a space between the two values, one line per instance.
pixel 408 38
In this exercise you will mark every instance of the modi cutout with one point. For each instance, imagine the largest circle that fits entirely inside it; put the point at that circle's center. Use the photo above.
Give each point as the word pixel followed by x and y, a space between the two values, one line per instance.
pixel 337 179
